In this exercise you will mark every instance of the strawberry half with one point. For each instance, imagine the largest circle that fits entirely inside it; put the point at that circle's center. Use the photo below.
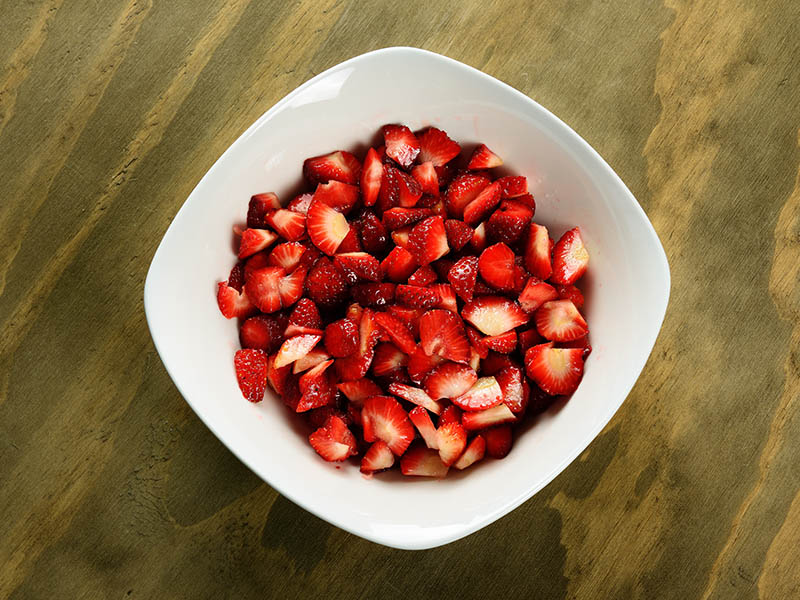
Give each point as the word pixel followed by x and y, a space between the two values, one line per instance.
pixel 449 380
pixel 567 292
pixel 334 441
pixel 436 147
pixel 537 252
pixel 294 348
pixel 401 145
pixel 341 337
pixel 409 191
pixel 300 203
pixel 359 390
pixel 326 285
pixel 451 414
pixel 305 316
pixel 512 385
pixel 338 166
pixel 289 224
pixel 388 359
pixel 371 176
pixel 481 419
pixel 459 233
pixel 484 393
pixel 251 373
pixel 263 287
pixel 463 275
pixel 374 294
pixel 557 371
pixel 442 332
pixel 425 175
pixel 422 462
pixel 397 331
pixel 372 233
pixel 422 421
pixel 497 268
pixel 560 321
pixel 255 240
pixel 420 364
pixel 395 218
pixel 473 453
pixel 463 190
pixel 415 396
pixel 477 210
pixel 262 332
pixel 493 315
pixel 513 186
pixel 428 240
pixel 326 226
pixel 316 388
pixel 259 207
pixel 232 303
pixel 447 296
pixel 478 241
pixel 451 440
pixel 536 293
pixel 416 297
pixel 483 158
pixel 286 255
pixel 398 265
pixel 505 343
pixel 310 360
pixel 498 441
pixel 378 458
pixel 423 276
pixel 361 264
pixel 570 258
pixel 509 222
pixel 383 418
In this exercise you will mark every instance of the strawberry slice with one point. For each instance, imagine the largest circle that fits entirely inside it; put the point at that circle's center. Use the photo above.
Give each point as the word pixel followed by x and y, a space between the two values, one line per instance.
pixel 294 348
pixel 442 267
pixel 483 158
pixel 483 204
pixel 474 452
pixel 481 419
pixel 567 292
pixel 409 316
pixel 400 236
pixel 436 147
pixel 537 252
pixel 512 385
pixel 371 176
pixel 529 337
pixel 374 294
pixel 326 226
pixel 451 440
pixel 398 265
pixel 388 359
pixel 422 421
pixel 281 379
pixel 326 285
pixel 478 242
pixel 310 360
pixel 337 166
pixel 316 388
pixel 509 222
pixel 409 191
pixel 462 276
pixel 305 315
pixel 232 303
pixel 263 287
pixel 401 145
pixel 350 243
pixel 505 343
pixel 263 332
pixel 251 373
pixel 286 256
pixel 570 258
pixel 420 364
pixel 557 371
pixel 378 458
pixel 493 315
pixel 476 342
pixel 428 240
pixel 560 321
pixel 341 337
pixel 359 390
pixel 255 240
pixel 442 332
pixel 447 296
pixel 389 192
pixel 458 233
pixel 356 365
pixel 334 441
pixel 425 175
pixel 536 293
pixel 495 362
pixel 422 462
pixel 513 186
pixel 289 224
pixel 259 260
pixel 360 264
pixel 484 393
pixel 236 277
pixel 395 218
pixel 384 419
pixel 300 203
pixel 259 208
pixel 397 332
pixel 290 287
pixel 422 277
pixel 416 297
pixel 463 190
pixel 498 441
pixel 497 268
pixel 451 414
pixel 416 396
pixel 317 417
pixel 449 380
pixel 372 233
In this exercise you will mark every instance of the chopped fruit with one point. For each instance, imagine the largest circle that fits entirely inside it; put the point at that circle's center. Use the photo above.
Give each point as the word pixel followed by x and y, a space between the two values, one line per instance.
pixel 416 396
pixel 462 276
pixel 481 419
pixel 422 421
pixel 478 241
pixel 398 265
pixel 371 176
pixel 482 205
pixel 425 175
pixel 463 190
pixel 570 258
pixel 557 371
pixel 422 277
pixel 436 147
pixel 496 266
pixel 509 222
pixel 447 297
pixel 442 333
pixel 484 393
pixel 232 303
pixel 428 240
pixel 359 390
pixel 372 233
pixel 255 240
pixel 290 287
pixel 280 379
pixel 341 337
pixel 262 332
pixel 416 297
pixel 350 243
pixel 316 389
pixel 290 225
pixel 493 315
pixel 409 316
pixel 338 166
pixel 495 362
pixel 259 207
pixel 357 364
pixel 537 252
pixel 236 277
pixel 374 294
pixel 300 203
pixel 473 453
pixel 449 380
pixel 536 293
pixel 442 267
pixel 395 218
pixel 326 227
pixel 513 186
pixel 334 441
pixel 511 382
pixel 451 440
pixel 483 158
pixel 377 458
pixel 317 417
pixel 529 337
pixel 337 195
pixel 397 331
pixel 504 343
pixel 560 321
pixel 310 360
pixel 420 364
pixel 325 284
pixel 498 441
pixel 385 419
pixel 388 359
pixel 360 264
pixel 251 373
pixel 458 233
pixel 286 256
pixel 400 236
pixel 305 315
pixel 294 348
pixel 409 191
pixel 263 287
pixel 424 462
pixel 401 145
pixel 476 342
pixel 389 190
pixel 451 414
pixel 259 260
pixel 570 292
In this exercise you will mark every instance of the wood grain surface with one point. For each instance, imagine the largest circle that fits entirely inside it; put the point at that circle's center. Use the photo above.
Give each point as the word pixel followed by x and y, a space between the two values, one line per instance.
pixel 110 487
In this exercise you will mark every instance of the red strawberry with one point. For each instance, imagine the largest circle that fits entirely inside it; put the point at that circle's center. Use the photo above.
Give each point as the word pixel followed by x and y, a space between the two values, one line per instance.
pixel 481 419
pixel 415 396
pixel 326 226
pixel 401 145
pixel 384 419
pixel 481 289
pixel 294 348
pixel 374 294
pixel 476 342
pixel 317 417
pixel 400 236
pixel 251 373
pixel 334 442
pixel 290 287
pixel 422 421
pixel 371 176
pixel 497 268
pixel 359 390
pixel 325 284
pixel 463 190
pixel 263 287
pixel 557 371
pixel 570 258
pixel 495 362
pixel 395 218
pixel 359 264
pixel 478 241
pixel 388 359
pixel 484 393
pixel 426 177
pixel 423 462
pixel 311 255
pixel 458 233
pixel 442 332
pixel 338 166
pixel 447 297
pixel 263 332
pixel 398 265
pixel 451 414
pixel 255 240
pixel 474 452
pixel 259 207
pixel 409 316
pixel 305 315
pixel 389 193
pixel 483 158
pixel 512 382
pixel 463 275
pixel 483 204
pixel 537 252
pixel 236 277
pixel 442 267
pixel 451 439
pixel 416 297
pixel 372 233
pixel 560 321
pixel 449 380
pixel 513 186
pixel 567 292
pixel 300 204
pixel 350 243
pixel 529 337
pixel 535 294
pixel 316 388
pixel 582 343
pixel 280 379
pixel 498 441
pixel 341 337
pixel 289 224
pixel 310 360
pixel 233 304
pixel 436 147
pixel 409 191
pixel 509 222
pixel 422 277
pixel 397 332
pixel 493 315
pixel 286 255
pixel 428 240
pixel 259 260
pixel 504 343
pixel 356 365
pixel 420 364
pixel 379 457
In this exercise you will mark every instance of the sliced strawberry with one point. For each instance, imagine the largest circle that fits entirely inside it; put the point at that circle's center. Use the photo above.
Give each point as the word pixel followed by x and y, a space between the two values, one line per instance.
pixel 557 371
pixel 473 453
pixel 371 176
pixel 311 255
pixel 442 267
pixel 422 421
pixel 290 287
pixel 570 258
pixel 359 390
pixel 388 358
pixel 389 193
pixel 397 332
pixel 481 289
pixel 289 224
pixel 286 255
pixel 236 277
pixel 463 275
pixel 263 332
pixel 493 315
pixel 305 315
pixel 326 285
pixel 537 252
pixel 379 457
pixel 426 177
pixel 338 166
pixel 529 337
pixel 326 226
pixel 310 360
pixel 560 321
pixel 458 233
pixel 259 260
pixel 409 191
pixel 372 233
pixel 398 265
pixel 233 304
pixel 360 264
pixel 395 218
pixel 384 419
pixel 409 316
pixel 495 362
pixel 442 332
pixel 496 266
pixel 416 396
pixel 512 186
pixel 484 393
pixel 481 419
pixel 436 147
pixel 334 442
pixel 582 343
pixel 341 337
pixel 263 287
pixel 451 439
pixel 428 240
pixel 255 240
pixel 294 348
pixel 422 277
pixel 476 342
pixel 280 379
pixel 400 236
pixel 401 145
pixel 511 381
pixel 498 441
pixel 451 414
pixel 449 380
pixel 463 190
pixel 416 297
pixel 374 294
pixel 356 365
pixel 483 204
pixel 536 293
pixel 567 292
pixel 259 207
pixel 251 373
pixel 509 222
pixel 447 297
pixel 300 203
pixel 317 417
pixel 478 241
pixel 350 243
pixel 505 343
pixel 422 462
pixel 420 364
pixel 483 158
pixel 316 388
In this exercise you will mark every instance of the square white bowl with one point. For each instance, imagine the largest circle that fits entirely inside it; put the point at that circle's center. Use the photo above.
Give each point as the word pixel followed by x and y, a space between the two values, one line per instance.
pixel 627 288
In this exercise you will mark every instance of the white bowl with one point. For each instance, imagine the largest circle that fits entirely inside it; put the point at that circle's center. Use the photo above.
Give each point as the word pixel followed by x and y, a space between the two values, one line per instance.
pixel 627 288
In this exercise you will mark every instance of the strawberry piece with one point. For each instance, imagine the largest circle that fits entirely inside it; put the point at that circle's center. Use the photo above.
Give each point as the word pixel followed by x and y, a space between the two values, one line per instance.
pixel 326 285
pixel 409 191
pixel 493 315
pixel 497 268
pixel 449 380
pixel 495 362
pixel 286 256
pixel 477 210
pixel 560 321
pixel 400 236
pixel 311 255
pixel 397 332
pixel 350 243
pixel 483 158
pixel 422 277
pixel 451 414
pixel 316 388
pixel 481 289
pixel 476 342
pixel 409 317
pixel 401 145
pixel 337 195
pixel 512 186
pixel 398 265
pixel 504 343
pixel 300 203
pixel 557 371
pixel 251 373
pixel 509 222
pixel 341 337
pixel 422 421
pixel 389 193
pixel 484 393
pixel 263 287
pixel 481 419
pixel 570 258
pixel 334 441
pixel 236 277
pixel 255 240
pixel 529 337
pixel 384 419
pixel 356 365
pixel 290 287
pixel 416 297
pixel 337 166
pixel 498 441
pixel 478 242
pixel 451 439
pixel 310 360
pixel 360 264
pixel 511 382
pixel 447 297
pixel 436 147
pixel 425 176
pixel 374 294
pixel 423 462
pixel 388 359
pixel 458 233
pixel 277 377
pixel 395 218
pixel 305 315
pixel 294 348
pixel 259 260
pixel 537 252
pixel 259 207
pixel 415 396
pixel 359 390
pixel 378 458
pixel 232 303
pixel 420 364
pixel 582 343
pixel 317 417
pixel 371 176
pixel 326 226
pixel 566 292
pixel 442 332
pixel 428 240
pixel 463 190
pixel 372 233
pixel 463 275
pixel 442 267
pixel 263 332
pixel 474 452
pixel 536 293
pixel 289 224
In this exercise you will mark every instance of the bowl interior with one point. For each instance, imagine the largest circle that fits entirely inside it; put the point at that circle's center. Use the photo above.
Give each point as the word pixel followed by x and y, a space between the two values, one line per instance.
pixel 626 287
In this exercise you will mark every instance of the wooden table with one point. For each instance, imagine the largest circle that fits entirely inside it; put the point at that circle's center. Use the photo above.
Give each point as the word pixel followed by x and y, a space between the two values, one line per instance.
pixel 111 487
